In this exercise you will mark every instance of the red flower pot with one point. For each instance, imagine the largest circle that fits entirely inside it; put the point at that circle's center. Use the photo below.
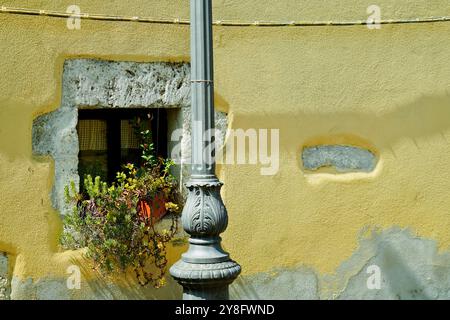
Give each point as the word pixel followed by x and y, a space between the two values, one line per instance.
pixel 153 209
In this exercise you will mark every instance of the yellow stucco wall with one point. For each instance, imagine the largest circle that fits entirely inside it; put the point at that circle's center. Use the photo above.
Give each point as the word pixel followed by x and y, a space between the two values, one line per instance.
pixel 389 87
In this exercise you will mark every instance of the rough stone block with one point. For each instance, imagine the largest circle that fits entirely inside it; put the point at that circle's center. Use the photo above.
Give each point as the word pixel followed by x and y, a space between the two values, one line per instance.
pixel 342 158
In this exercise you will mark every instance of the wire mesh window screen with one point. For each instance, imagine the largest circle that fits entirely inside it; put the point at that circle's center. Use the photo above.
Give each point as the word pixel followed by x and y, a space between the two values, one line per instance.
pixel 110 138
pixel 129 138
pixel 92 135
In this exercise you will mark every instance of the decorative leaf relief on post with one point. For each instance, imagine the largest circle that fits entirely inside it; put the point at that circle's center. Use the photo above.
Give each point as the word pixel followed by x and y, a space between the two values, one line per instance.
pixel 225 271
pixel 204 213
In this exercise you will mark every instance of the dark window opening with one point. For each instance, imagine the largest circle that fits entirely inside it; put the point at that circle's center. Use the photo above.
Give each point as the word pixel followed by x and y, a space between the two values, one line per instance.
pixel 108 139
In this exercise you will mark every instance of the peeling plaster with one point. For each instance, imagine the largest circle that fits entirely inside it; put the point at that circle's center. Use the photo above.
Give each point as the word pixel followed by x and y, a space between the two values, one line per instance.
pixel 411 268
pixel 55 288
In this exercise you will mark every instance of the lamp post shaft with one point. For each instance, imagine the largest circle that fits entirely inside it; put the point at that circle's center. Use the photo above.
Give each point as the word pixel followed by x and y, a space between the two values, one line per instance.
pixel 202 74
pixel 205 271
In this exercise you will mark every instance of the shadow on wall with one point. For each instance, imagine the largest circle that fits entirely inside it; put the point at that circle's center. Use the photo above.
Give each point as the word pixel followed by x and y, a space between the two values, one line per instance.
pixel 428 115
pixel 401 277
pixel 126 287
pixel 92 286
pixel 411 267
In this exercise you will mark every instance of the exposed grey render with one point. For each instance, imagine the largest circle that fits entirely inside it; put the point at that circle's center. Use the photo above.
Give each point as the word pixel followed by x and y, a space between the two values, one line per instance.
pixel 342 158
pixel 5 282
pixel 90 83
pixel 410 268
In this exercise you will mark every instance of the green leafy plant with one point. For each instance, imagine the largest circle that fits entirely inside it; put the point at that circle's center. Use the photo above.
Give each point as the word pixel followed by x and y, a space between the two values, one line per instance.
pixel 114 221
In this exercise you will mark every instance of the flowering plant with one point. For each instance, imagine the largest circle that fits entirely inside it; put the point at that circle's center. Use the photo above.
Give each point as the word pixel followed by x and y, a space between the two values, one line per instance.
pixel 118 222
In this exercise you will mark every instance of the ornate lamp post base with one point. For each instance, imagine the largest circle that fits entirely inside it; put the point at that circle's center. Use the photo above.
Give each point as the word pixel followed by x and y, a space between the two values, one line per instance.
pixel 205 281
pixel 205 271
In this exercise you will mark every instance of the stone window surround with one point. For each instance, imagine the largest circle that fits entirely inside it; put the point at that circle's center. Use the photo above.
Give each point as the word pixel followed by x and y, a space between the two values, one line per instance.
pixel 5 277
pixel 92 83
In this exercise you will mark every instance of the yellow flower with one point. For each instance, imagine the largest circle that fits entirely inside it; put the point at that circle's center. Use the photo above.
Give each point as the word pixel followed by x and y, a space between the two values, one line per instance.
pixel 162 282
pixel 170 206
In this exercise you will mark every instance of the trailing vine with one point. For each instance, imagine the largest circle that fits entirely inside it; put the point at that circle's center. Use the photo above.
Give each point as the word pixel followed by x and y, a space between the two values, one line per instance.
pixel 118 222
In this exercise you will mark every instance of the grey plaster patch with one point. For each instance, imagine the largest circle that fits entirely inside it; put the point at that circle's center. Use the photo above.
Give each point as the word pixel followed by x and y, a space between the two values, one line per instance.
pixel 52 289
pixel 89 83
pixel 22 289
pixel 5 285
pixel 341 158
pixel 295 284
pixel 55 288
pixel 411 268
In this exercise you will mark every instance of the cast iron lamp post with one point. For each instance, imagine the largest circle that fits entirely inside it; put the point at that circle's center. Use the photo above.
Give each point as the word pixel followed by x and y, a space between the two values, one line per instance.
pixel 205 271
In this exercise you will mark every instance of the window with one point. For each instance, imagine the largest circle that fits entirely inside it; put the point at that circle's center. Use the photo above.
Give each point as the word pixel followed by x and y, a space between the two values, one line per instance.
pixel 109 138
